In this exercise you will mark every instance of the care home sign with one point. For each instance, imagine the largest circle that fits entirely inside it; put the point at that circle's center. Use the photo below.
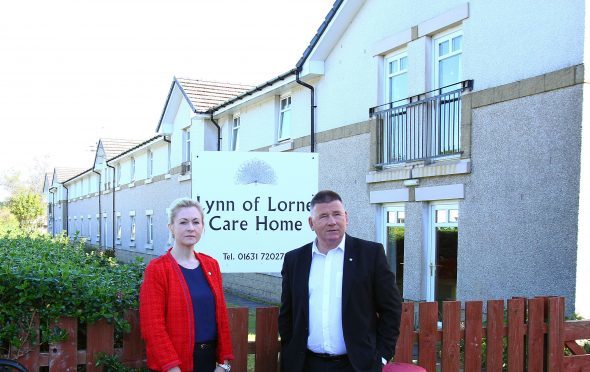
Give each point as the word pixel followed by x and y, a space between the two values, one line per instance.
pixel 256 206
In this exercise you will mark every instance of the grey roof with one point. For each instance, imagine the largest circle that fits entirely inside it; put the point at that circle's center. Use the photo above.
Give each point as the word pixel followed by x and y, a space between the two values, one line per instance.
pixel 65 173
pixel 206 95
pixel 115 146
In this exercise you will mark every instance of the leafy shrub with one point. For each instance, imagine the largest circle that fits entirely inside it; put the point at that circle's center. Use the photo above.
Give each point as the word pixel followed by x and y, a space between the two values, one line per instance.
pixel 52 277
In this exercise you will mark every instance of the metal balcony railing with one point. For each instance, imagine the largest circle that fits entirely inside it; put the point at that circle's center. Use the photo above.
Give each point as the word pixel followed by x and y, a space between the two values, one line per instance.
pixel 421 127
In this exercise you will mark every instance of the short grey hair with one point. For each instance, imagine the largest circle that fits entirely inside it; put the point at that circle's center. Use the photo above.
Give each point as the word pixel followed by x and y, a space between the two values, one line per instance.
pixel 180 203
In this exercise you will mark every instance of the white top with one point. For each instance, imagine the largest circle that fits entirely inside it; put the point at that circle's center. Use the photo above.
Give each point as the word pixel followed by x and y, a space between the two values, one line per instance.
pixel 325 301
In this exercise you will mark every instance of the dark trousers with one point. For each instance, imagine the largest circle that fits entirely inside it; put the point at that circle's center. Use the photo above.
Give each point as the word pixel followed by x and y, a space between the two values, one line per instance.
pixel 318 363
pixel 204 357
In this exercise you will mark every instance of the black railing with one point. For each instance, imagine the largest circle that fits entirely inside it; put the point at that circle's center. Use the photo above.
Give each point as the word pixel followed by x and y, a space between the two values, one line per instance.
pixel 421 127
pixel 185 168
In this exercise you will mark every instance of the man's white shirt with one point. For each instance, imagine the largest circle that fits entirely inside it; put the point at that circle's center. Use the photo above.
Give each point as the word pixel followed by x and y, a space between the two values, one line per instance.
pixel 325 301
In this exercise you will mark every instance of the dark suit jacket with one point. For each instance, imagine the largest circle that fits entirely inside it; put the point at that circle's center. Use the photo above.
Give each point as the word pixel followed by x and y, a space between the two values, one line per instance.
pixel 371 306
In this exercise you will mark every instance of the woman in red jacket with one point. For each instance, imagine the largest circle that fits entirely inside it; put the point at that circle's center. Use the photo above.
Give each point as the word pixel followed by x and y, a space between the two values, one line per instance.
pixel 181 304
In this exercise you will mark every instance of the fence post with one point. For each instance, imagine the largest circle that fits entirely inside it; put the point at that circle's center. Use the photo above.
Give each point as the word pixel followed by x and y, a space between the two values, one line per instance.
pixel 516 335
pixel 473 335
pixel 535 334
pixel 428 335
pixel 267 339
pixel 100 337
pixel 238 325
pixel 555 334
pixel 405 341
pixel 451 352
pixel 495 332
pixel 133 345
pixel 30 357
pixel 63 356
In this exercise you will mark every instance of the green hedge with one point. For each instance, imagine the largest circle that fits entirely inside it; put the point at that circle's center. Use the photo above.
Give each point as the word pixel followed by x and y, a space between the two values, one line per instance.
pixel 51 277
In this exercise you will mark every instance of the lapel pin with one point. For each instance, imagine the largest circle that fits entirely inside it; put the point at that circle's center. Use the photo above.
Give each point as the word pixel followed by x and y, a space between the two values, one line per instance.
pixel 209 272
pixel 350 259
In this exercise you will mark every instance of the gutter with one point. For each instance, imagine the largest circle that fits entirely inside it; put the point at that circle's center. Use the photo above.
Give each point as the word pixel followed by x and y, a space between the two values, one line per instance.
pixel 311 108
pixel 99 210
pixel 53 209
pixel 218 133
pixel 114 178
pixel 67 206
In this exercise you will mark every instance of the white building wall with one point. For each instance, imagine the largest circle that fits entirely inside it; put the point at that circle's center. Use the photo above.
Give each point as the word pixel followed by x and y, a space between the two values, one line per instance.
pixel 518 36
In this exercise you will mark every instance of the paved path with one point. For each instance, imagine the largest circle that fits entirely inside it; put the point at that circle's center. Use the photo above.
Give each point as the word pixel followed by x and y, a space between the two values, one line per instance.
pixel 239 301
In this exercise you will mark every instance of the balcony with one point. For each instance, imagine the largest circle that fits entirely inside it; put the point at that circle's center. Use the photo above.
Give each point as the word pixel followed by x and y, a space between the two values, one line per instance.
pixel 425 127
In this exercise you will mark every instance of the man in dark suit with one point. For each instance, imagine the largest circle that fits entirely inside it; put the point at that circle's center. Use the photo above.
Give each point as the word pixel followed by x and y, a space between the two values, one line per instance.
pixel 340 306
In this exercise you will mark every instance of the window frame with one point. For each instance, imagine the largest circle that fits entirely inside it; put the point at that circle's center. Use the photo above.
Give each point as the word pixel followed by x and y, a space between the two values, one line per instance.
pixel 150 163
pixel 281 136
pixel 186 144
pixel 235 132
pixel 398 55
pixel 132 170
pixel 438 39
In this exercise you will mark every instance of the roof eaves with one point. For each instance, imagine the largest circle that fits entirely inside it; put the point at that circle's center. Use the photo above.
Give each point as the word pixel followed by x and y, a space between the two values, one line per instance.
pixel 319 34
pixel 135 147
pixel 257 88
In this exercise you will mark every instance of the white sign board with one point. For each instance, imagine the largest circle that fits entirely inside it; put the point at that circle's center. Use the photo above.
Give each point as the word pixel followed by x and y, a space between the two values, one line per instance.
pixel 256 206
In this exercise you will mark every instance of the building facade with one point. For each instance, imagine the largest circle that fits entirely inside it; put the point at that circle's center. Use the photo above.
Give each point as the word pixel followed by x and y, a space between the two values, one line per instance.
pixel 455 131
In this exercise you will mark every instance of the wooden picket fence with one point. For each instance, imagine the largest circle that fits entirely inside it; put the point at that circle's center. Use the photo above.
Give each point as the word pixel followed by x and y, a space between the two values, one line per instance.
pixel 527 335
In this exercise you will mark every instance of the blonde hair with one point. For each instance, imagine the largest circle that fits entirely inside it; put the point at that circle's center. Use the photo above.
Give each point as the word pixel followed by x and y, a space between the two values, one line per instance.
pixel 180 203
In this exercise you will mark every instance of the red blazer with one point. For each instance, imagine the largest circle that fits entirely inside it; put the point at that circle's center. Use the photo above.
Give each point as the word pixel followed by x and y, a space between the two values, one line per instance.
pixel 166 314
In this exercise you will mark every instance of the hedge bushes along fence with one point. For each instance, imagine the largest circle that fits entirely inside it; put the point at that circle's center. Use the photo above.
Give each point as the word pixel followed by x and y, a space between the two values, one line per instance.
pixel 48 278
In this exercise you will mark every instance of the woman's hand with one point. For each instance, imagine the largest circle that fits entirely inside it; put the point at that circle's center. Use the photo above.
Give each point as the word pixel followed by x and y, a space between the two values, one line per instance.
pixel 174 369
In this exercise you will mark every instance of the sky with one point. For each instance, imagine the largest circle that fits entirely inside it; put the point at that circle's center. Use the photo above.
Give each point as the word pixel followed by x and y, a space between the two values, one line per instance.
pixel 74 71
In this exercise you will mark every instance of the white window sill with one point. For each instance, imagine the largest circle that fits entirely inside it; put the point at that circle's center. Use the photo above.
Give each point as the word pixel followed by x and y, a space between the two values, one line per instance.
pixel 118 242
pixel 149 246
pixel 106 191
pixel 186 177
pixel 285 145
pixel 132 244
pixel 132 184
pixel 148 180
pixel 117 188
pixel 167 176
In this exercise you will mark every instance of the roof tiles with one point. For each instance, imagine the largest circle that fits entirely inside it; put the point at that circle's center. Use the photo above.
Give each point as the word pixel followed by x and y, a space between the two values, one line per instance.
pixel 206 95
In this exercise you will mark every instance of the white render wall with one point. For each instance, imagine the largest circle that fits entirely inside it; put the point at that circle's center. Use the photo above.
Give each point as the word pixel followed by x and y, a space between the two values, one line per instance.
pixel 503 41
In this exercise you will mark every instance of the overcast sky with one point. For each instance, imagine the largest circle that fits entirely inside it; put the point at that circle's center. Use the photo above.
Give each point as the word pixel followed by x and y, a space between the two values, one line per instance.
pixel 73 71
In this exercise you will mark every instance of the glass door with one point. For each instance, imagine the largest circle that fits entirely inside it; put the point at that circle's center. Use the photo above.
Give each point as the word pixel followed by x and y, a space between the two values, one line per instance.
pixel 442 252
pixel 395 217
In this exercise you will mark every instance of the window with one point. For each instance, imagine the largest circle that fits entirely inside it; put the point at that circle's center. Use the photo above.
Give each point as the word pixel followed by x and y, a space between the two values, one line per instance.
pixel 395 218
pixel 150 229
pixel 89 229
pixel 132 170
pixel 396 92
pixel 285 119
pixel 235 129
pixel 107 179
pixel 105 230
pixel 132 229
pixel 442 252
pixel 447 73
pixel 97 229
pixel 186 145
pixel 150 163
pixel 447 59
pixel 119 230
pixel 396 78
